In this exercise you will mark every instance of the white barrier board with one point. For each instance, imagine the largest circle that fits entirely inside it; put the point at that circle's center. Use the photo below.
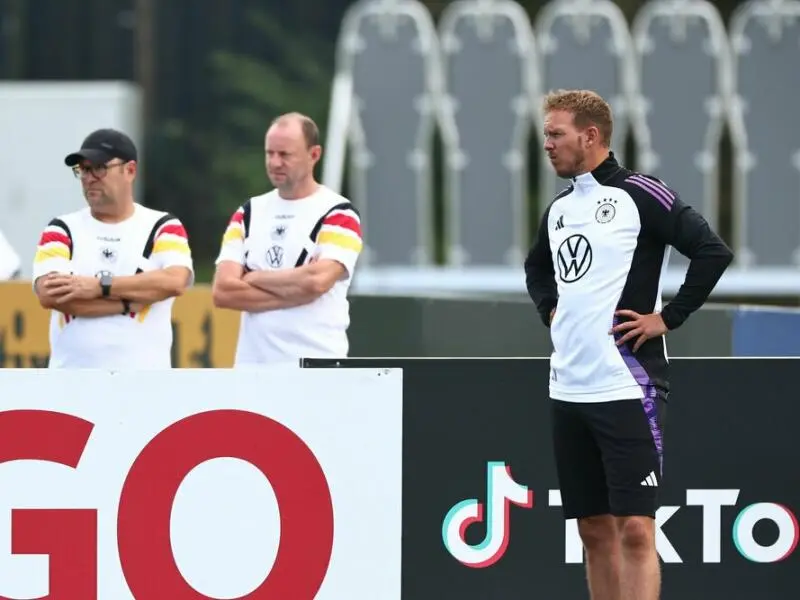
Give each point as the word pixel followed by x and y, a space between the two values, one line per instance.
pixel 273 483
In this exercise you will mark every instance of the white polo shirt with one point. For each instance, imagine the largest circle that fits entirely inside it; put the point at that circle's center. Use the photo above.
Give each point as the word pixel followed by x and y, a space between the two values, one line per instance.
pixel 79 244
pixel 270 233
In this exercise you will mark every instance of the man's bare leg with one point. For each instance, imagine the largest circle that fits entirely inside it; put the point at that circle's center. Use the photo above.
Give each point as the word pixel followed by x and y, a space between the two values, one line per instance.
pixel 641 571
pixel 601 541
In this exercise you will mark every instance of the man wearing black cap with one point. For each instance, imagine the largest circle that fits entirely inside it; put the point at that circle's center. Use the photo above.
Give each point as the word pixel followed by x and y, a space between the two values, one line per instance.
pixel 110 272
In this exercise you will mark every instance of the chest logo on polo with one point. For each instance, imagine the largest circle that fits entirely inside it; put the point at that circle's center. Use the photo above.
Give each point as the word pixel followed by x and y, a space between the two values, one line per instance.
pixel 605 211
pixel 278 232
pixel 109 254
pixel 275 257
pixel 574 258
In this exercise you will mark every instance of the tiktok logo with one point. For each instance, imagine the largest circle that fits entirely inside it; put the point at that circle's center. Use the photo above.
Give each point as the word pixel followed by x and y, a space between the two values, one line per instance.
pixel 502 491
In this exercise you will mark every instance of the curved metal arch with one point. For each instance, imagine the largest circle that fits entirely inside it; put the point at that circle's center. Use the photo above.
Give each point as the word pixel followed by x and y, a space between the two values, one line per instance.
pixel 340 108
pixel 581 13
pixel 486 12
pixel 677 11
pixel 774 13
pixel 345 127
pixel 514 12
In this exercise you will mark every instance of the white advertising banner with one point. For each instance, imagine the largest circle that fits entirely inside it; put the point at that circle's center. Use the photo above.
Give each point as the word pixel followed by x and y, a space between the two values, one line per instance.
pixel 201 484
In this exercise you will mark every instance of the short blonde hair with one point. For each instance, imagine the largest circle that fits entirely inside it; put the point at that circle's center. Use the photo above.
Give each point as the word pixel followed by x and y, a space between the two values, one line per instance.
pixel 587 108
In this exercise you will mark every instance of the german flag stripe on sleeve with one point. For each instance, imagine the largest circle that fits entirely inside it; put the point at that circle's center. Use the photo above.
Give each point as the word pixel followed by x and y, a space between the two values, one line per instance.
pixel 238 216
pixel 341 228
pixel 55 242
pixel 173 228
pixel 171 237
pixel 235 230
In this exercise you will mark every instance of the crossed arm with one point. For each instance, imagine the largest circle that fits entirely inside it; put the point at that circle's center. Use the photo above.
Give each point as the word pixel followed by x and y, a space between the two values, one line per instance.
pixel 260 291
pixel 82 296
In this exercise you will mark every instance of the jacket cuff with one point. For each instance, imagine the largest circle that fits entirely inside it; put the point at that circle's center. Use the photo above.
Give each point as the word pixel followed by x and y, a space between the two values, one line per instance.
pixel 671 318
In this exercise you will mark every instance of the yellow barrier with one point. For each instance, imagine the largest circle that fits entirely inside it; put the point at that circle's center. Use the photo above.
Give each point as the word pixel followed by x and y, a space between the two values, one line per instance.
pixel 204 336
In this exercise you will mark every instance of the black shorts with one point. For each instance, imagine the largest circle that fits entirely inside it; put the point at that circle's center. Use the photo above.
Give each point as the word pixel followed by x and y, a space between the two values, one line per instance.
pixel 609 455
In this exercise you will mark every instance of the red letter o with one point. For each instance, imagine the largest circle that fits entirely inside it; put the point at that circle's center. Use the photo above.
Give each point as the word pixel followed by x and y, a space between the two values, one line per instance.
pixel 304 500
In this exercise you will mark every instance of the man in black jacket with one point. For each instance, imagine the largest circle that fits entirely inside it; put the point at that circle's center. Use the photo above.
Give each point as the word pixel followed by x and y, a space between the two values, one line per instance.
pixel 594 274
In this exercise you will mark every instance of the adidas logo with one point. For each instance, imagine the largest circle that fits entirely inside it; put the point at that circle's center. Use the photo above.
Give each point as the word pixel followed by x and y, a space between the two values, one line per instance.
pixel 560 222
pixel 650 480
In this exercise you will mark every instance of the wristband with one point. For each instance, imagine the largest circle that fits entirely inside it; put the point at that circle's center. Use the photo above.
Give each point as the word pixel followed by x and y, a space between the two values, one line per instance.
pixel 126 307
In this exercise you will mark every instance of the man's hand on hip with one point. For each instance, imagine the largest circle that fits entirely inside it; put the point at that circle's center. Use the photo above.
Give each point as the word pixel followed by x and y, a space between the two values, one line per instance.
pixel 641 327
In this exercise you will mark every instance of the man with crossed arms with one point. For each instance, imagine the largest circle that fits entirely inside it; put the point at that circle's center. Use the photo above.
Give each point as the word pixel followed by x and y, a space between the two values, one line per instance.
pixel 288 256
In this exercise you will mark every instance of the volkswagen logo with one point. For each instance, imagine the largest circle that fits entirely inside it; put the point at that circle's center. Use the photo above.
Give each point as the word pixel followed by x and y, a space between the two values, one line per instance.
pixel 574 258
pixel 275 257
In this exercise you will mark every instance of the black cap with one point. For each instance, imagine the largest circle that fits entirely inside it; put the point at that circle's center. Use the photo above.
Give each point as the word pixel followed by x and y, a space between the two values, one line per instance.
pixel 101 146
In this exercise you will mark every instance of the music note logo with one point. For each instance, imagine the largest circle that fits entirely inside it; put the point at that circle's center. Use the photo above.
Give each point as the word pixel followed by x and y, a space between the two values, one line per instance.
pixel 501 492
